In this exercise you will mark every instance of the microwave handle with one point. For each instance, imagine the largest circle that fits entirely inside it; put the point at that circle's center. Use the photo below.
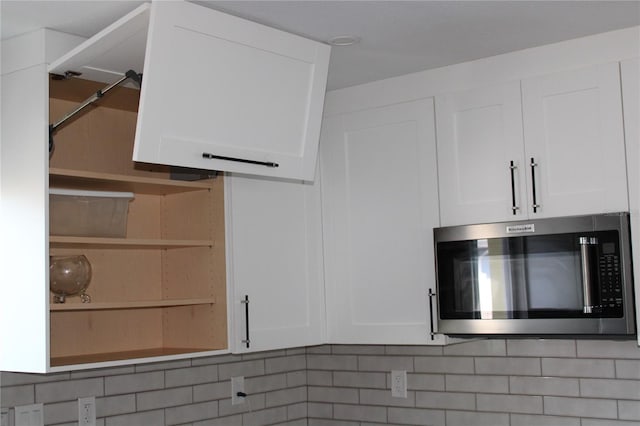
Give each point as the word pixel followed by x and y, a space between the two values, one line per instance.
pixel 587 279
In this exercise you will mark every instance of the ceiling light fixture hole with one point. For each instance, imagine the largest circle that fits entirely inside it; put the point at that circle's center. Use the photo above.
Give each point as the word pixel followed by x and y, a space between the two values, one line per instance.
pixel 344 40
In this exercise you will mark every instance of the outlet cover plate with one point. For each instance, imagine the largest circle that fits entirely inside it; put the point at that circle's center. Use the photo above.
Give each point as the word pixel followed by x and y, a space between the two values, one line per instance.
pixel 29 415
pixel 237 385
pixel 399 383
pixel 87 411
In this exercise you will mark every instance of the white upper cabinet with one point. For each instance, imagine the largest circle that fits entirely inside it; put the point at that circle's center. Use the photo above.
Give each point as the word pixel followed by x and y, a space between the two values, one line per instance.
pixel 547 146
pixel 379 187
pixel 480 155
pixel 274 256
pixel 573 132
pixel 218 92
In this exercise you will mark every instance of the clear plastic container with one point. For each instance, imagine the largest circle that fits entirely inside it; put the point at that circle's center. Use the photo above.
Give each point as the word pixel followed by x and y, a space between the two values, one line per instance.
pixel 88 213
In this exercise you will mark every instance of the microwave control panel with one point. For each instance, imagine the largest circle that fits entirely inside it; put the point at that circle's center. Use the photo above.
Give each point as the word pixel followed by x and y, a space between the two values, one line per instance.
pixel 610 284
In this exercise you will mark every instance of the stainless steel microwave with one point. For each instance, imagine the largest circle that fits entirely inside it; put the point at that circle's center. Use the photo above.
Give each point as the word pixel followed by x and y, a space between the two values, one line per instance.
pixel 546 277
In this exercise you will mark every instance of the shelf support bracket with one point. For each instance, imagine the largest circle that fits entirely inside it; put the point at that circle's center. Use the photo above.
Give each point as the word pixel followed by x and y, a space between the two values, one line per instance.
pixel 93 98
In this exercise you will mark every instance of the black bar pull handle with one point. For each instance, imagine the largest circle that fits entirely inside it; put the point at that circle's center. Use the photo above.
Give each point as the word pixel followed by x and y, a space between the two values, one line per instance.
pixel 432 294
pixel 239 160
pixel 512 169
pixel 535 204
pixel 247 341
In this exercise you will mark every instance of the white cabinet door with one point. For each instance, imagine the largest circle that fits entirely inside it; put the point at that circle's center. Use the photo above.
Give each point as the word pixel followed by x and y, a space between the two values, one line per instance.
pixel 218 86
pixel 379 188
pixel 573 132
pixel 479 138
pixel 215 88
pixel 563 133
pixel 274 251
pixel 630 72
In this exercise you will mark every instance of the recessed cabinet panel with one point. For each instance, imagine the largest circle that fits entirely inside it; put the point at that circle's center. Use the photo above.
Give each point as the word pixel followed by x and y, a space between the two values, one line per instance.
pixel 215 84
pixel 378 183
pixel 573 130
pixel 479 135
pixel 275 249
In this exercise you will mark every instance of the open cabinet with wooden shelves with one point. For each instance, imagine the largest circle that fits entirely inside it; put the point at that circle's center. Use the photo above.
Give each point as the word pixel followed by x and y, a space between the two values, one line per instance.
pixel 160 290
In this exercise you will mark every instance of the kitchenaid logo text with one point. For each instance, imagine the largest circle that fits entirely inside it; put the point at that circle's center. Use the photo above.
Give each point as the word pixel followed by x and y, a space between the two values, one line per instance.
pixel 519 229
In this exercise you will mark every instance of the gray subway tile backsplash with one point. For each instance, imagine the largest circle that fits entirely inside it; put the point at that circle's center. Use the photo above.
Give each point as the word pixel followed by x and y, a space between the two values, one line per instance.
pixel 191 376
pixel 360 379
pixel 164 398
pixel 512 382
pixel 581 407
pixel 69 389
pixel 544 386
pixel 191 413
pixel 385 363
pixel 627 369
pixel 446 400
pixel 473 418
pixel 508 366
pixel 541 420
pixel 629 410
pixel 573 367
pixel 476 383
pixel 541 348
pixel 485 347
pixel 416 416
pixel 457 365
pixel 131 383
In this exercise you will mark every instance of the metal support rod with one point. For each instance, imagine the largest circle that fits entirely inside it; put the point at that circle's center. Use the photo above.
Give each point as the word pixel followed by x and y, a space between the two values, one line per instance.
pixel 96 96
pixel 86 103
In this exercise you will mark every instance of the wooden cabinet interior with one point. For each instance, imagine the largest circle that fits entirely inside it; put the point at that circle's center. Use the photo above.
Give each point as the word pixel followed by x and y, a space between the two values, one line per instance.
pixel 160 290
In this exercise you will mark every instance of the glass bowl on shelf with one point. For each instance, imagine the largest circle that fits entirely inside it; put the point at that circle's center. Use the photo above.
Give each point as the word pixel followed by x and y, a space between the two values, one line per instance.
pixel 69 276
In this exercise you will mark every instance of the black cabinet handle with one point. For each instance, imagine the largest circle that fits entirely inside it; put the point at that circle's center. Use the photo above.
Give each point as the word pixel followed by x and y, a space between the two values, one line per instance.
pixel 535 204
pixel 432 334
pixel 512 169
pixel 247 341
pixel 238 160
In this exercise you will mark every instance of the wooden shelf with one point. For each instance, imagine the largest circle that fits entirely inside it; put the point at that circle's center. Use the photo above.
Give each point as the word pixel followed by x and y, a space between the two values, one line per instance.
pixel 56 241
pixel 78 179
pixel 64 307
pixel 125 355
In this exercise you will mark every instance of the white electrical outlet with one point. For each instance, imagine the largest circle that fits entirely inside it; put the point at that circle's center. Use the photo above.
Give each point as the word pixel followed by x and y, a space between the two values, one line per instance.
pixel 237 385
pixel 399 383
pixel 87 411
pixel 29 415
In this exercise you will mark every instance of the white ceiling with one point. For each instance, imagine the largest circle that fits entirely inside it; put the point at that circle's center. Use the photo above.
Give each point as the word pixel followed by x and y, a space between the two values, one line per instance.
pixel 397 37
